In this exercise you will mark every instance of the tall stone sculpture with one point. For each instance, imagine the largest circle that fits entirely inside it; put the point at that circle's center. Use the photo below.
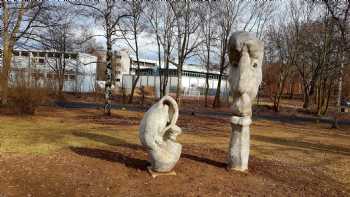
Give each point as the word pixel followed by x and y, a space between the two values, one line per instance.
pixel 158 131
pixel 246 56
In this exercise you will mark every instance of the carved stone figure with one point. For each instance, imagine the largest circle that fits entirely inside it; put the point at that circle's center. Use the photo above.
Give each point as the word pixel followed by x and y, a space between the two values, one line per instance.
pixel 158 131
pixel 246 55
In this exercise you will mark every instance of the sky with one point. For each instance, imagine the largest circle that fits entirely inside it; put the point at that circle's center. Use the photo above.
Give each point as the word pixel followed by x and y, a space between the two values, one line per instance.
pixel 148 48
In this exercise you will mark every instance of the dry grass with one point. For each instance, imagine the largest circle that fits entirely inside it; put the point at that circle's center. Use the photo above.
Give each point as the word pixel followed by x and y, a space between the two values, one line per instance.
pixel 309 146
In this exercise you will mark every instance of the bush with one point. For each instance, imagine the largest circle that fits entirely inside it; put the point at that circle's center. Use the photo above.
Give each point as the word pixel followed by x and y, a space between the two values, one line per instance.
pixel 25 100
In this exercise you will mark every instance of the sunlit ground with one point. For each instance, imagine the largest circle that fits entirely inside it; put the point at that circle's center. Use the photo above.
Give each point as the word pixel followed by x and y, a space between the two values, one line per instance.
pixel 303 153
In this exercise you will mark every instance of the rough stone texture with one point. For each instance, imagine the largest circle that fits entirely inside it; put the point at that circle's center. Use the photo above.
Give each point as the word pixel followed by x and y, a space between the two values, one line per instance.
pixel 246 56
pixel 158 133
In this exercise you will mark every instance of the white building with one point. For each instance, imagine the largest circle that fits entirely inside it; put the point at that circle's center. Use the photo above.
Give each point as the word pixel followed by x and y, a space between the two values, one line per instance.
pixel 193 76
pixel 41 68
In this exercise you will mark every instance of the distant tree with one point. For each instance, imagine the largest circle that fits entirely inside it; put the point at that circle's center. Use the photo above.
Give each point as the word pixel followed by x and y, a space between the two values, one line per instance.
pixel 18 18
pixel 340 11
pixel 208 32
pixel 131 28
pixel 162 24
pixel 228 12
pixel 187 24
pixel 279 71
pixel 56 33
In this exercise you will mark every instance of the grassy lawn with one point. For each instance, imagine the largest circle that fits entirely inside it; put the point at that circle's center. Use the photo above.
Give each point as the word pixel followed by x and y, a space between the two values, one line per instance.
pixel 299 159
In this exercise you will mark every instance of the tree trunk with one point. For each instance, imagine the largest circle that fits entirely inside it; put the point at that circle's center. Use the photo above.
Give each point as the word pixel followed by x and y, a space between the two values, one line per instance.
pixel 160 76
pixel 291 93
pixel 60 86
pixel 179 84
pixel 165 73
pixel 306 98
pixel 138 72
pixel 217 102
pixel 109 80
pixel 6 62
pixel 206 89
pixel 133 87
pixel 340 84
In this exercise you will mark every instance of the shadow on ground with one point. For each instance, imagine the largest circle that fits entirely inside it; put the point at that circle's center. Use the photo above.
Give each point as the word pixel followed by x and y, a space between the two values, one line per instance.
pixel 307 145
pixel 111 156
pixel 112 141
pixel 203 160
pixel 106 155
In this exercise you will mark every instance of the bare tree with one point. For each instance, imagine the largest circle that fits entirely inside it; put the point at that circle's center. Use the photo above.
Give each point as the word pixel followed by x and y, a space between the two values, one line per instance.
pixel 228 13
pixel 162 22
pixel 207 28
pixel 131 28
pixel 187 23
pixel 56 32
pixel 153 16
pixel 279 71
pixel 18 18
pixel 301 15
pixel 339 11
pixel 107 13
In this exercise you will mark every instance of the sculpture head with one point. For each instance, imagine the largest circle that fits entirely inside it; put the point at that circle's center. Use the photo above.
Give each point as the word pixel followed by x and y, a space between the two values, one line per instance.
pixel 246 56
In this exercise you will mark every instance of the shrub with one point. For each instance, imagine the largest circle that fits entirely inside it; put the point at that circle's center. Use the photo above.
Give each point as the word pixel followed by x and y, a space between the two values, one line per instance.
pixel 25 100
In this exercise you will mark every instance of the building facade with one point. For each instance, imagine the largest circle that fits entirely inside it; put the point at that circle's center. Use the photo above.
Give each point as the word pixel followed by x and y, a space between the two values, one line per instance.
pixel 193 76
pixel 43 68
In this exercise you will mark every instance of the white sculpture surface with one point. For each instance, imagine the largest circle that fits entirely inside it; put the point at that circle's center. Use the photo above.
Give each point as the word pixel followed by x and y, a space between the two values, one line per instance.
pixel 158 131
pixel 246 55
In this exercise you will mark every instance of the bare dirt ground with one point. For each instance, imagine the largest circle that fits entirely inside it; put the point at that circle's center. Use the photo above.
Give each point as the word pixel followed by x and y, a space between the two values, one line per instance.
pixel 67 152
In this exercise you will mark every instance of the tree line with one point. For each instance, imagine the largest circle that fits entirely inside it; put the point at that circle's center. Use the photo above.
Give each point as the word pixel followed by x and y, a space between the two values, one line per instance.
pixel 305 41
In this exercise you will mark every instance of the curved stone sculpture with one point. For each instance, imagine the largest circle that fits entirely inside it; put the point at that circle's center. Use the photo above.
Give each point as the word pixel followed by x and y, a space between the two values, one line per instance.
pixel 158 133
pixel 246 55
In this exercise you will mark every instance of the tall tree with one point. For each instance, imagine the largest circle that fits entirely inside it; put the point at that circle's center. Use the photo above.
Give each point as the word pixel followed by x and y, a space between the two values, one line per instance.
pixel 228 13
pixel 108 14
pixel 207 14
pixel 187 24
pixel 131 28
pixel 340 11
pixel 56 32
pixel 162 23
pixel 18 18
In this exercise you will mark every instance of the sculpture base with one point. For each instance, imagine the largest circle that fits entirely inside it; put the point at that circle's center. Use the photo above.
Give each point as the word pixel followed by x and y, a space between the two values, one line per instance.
pixel 239 144
pixel 154 174
pixel 230 168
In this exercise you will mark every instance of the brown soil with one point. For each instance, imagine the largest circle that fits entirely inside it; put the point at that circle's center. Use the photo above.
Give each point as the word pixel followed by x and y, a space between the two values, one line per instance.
pixel 119 169
pixel 122 172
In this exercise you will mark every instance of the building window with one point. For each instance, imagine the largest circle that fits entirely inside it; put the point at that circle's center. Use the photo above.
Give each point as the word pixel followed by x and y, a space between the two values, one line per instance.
pixel 66 56
pixel 16 53
pixel 42 54
pixel 57 55
pixel 71 77
pixel 41 60
pixel 74 56
pixel 50 54
pixel 25 53
pixel 35 54
pixel 117 79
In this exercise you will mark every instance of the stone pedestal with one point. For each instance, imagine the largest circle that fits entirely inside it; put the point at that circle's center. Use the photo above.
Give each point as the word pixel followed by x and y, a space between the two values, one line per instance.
pixel 239 143
pixel 154 174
